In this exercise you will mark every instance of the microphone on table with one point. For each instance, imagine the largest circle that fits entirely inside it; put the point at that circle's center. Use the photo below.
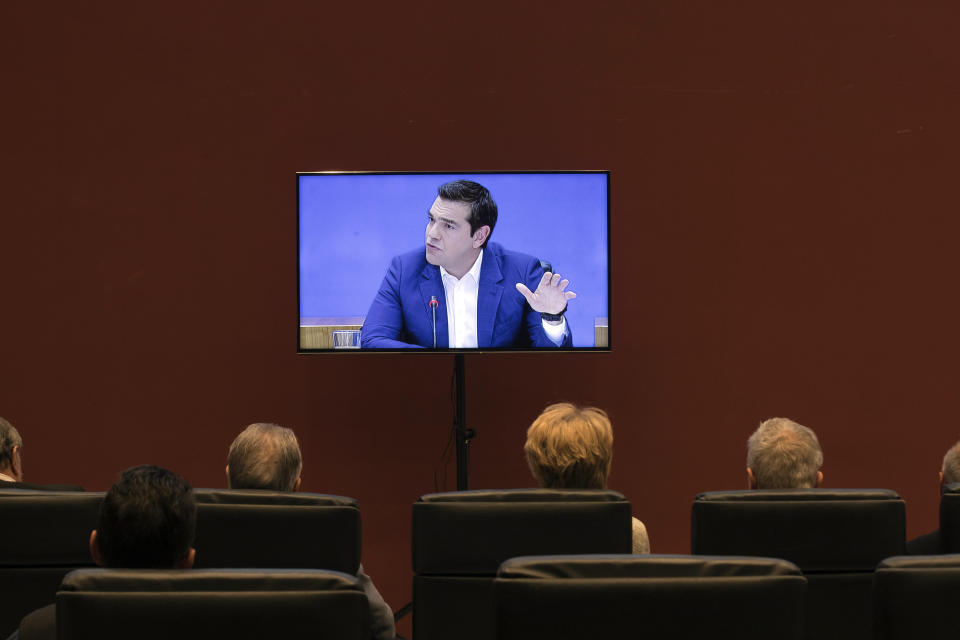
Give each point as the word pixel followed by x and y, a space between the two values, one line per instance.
pixel 433 309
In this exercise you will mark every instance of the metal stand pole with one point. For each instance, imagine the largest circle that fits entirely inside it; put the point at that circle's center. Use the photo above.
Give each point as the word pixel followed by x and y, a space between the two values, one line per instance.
pixel 463 434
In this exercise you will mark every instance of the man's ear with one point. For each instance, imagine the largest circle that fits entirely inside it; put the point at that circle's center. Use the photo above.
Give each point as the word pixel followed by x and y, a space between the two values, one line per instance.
pixel 227 471
pixel 480 236
pixel 940 479
pixel 16 464
pixel 296 485
pixel 819 482
pixel 186 560
pixel 751 479
pixel 95 549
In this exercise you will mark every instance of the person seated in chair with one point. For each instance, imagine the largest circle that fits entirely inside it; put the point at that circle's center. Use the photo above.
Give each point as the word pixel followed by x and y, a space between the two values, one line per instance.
pixel 11 463
pixel 11 466
pixel 571 447
pixel 267 456
pixel 146 521
pixel 782 454
pixel 931 543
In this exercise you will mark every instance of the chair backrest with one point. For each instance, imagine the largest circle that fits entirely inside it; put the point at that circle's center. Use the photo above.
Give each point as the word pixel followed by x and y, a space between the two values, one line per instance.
pixel 45 534
pixel 654 596
pixel 274 529
pixel 950 518
pixel 40 487
pixel 916 597
pixel 460 539
pixel 836 536
pixel 199 604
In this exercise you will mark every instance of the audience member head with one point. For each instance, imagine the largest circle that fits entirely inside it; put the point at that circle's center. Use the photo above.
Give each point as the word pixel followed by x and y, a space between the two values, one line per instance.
pixel 147 521
pixel 950 471
pixel 265 456
pixel 570 447
pixel 782 454
pixel 10 444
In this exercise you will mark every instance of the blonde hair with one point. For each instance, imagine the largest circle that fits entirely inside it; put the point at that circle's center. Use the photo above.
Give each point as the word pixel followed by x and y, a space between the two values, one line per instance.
pixel 570 447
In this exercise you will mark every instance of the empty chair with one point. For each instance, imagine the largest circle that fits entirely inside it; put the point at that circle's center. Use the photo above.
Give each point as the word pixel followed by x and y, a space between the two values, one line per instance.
pixel 276 529
pixel 115 604
pixel 916 597
pixel 658 596
pixel 45 534
pixel 460 539
pixel 836 536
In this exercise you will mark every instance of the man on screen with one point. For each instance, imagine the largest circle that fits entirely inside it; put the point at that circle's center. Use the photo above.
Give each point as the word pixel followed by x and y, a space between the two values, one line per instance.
pixel 462 292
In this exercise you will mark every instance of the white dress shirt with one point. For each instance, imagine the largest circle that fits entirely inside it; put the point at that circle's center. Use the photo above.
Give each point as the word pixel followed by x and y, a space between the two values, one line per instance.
pixel 461 295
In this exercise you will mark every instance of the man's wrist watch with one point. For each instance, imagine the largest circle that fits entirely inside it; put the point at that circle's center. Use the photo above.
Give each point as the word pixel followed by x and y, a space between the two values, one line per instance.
pixel 553 317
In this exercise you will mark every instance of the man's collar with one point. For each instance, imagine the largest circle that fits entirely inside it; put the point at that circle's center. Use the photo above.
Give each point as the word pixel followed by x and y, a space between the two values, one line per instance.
pixel 474 270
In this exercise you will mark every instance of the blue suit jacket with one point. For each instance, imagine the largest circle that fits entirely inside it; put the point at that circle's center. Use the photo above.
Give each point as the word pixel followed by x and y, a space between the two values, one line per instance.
pixel 400 315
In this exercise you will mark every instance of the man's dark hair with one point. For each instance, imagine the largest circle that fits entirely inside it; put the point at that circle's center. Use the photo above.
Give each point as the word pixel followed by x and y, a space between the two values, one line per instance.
pixel 483 210
pixel 9 438
pixel 147 520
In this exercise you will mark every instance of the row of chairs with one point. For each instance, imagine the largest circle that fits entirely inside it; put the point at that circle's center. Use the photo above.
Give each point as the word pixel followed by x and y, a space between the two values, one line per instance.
pixel 575 597
pixel 536 598
pixel 836 538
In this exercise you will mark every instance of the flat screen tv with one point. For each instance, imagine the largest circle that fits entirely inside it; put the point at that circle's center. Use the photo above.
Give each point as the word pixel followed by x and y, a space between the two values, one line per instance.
pixel 430 262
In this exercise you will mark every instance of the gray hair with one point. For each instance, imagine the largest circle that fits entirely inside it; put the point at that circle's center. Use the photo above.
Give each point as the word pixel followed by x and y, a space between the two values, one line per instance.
pixel 265 456
pixel 9 438
pixel 784 455
pixel 951 465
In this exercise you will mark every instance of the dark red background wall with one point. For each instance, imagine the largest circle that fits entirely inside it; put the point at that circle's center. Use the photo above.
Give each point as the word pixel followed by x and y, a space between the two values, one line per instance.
pixel 784 232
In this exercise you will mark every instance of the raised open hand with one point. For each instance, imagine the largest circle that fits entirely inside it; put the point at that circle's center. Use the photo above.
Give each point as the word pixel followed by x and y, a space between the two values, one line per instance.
pixel 550 296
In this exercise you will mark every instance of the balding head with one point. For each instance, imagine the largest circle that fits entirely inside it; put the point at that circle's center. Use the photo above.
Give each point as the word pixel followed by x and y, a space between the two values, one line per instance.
pixel 265 456
pixel 782 454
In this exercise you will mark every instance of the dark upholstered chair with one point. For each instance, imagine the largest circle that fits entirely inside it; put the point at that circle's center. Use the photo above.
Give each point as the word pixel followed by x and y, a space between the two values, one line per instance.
pixel 836 536
pixel 917 597
pixel 950 518
pixel 115 604
pixel 655 596
pixel 44 535
pixel 40 487
pixel 274 529
pixel 460 539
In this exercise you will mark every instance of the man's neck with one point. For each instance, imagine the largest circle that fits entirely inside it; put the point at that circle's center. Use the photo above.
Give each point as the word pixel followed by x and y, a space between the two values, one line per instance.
pixel 6 475
pixel 459 273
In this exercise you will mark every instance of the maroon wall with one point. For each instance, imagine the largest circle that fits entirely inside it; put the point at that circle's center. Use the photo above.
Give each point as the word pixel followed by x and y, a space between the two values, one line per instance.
pixel 783 242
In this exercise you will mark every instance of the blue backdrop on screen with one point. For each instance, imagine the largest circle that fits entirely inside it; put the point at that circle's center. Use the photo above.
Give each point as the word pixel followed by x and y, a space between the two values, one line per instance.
pixel 351 225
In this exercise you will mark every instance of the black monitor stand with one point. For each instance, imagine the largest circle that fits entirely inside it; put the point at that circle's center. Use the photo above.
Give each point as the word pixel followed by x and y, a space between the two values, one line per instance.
pixel 463 434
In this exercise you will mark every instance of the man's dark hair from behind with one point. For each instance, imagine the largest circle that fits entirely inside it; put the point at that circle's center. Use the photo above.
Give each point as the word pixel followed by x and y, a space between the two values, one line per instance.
pixel 147 520
pixel 483 210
